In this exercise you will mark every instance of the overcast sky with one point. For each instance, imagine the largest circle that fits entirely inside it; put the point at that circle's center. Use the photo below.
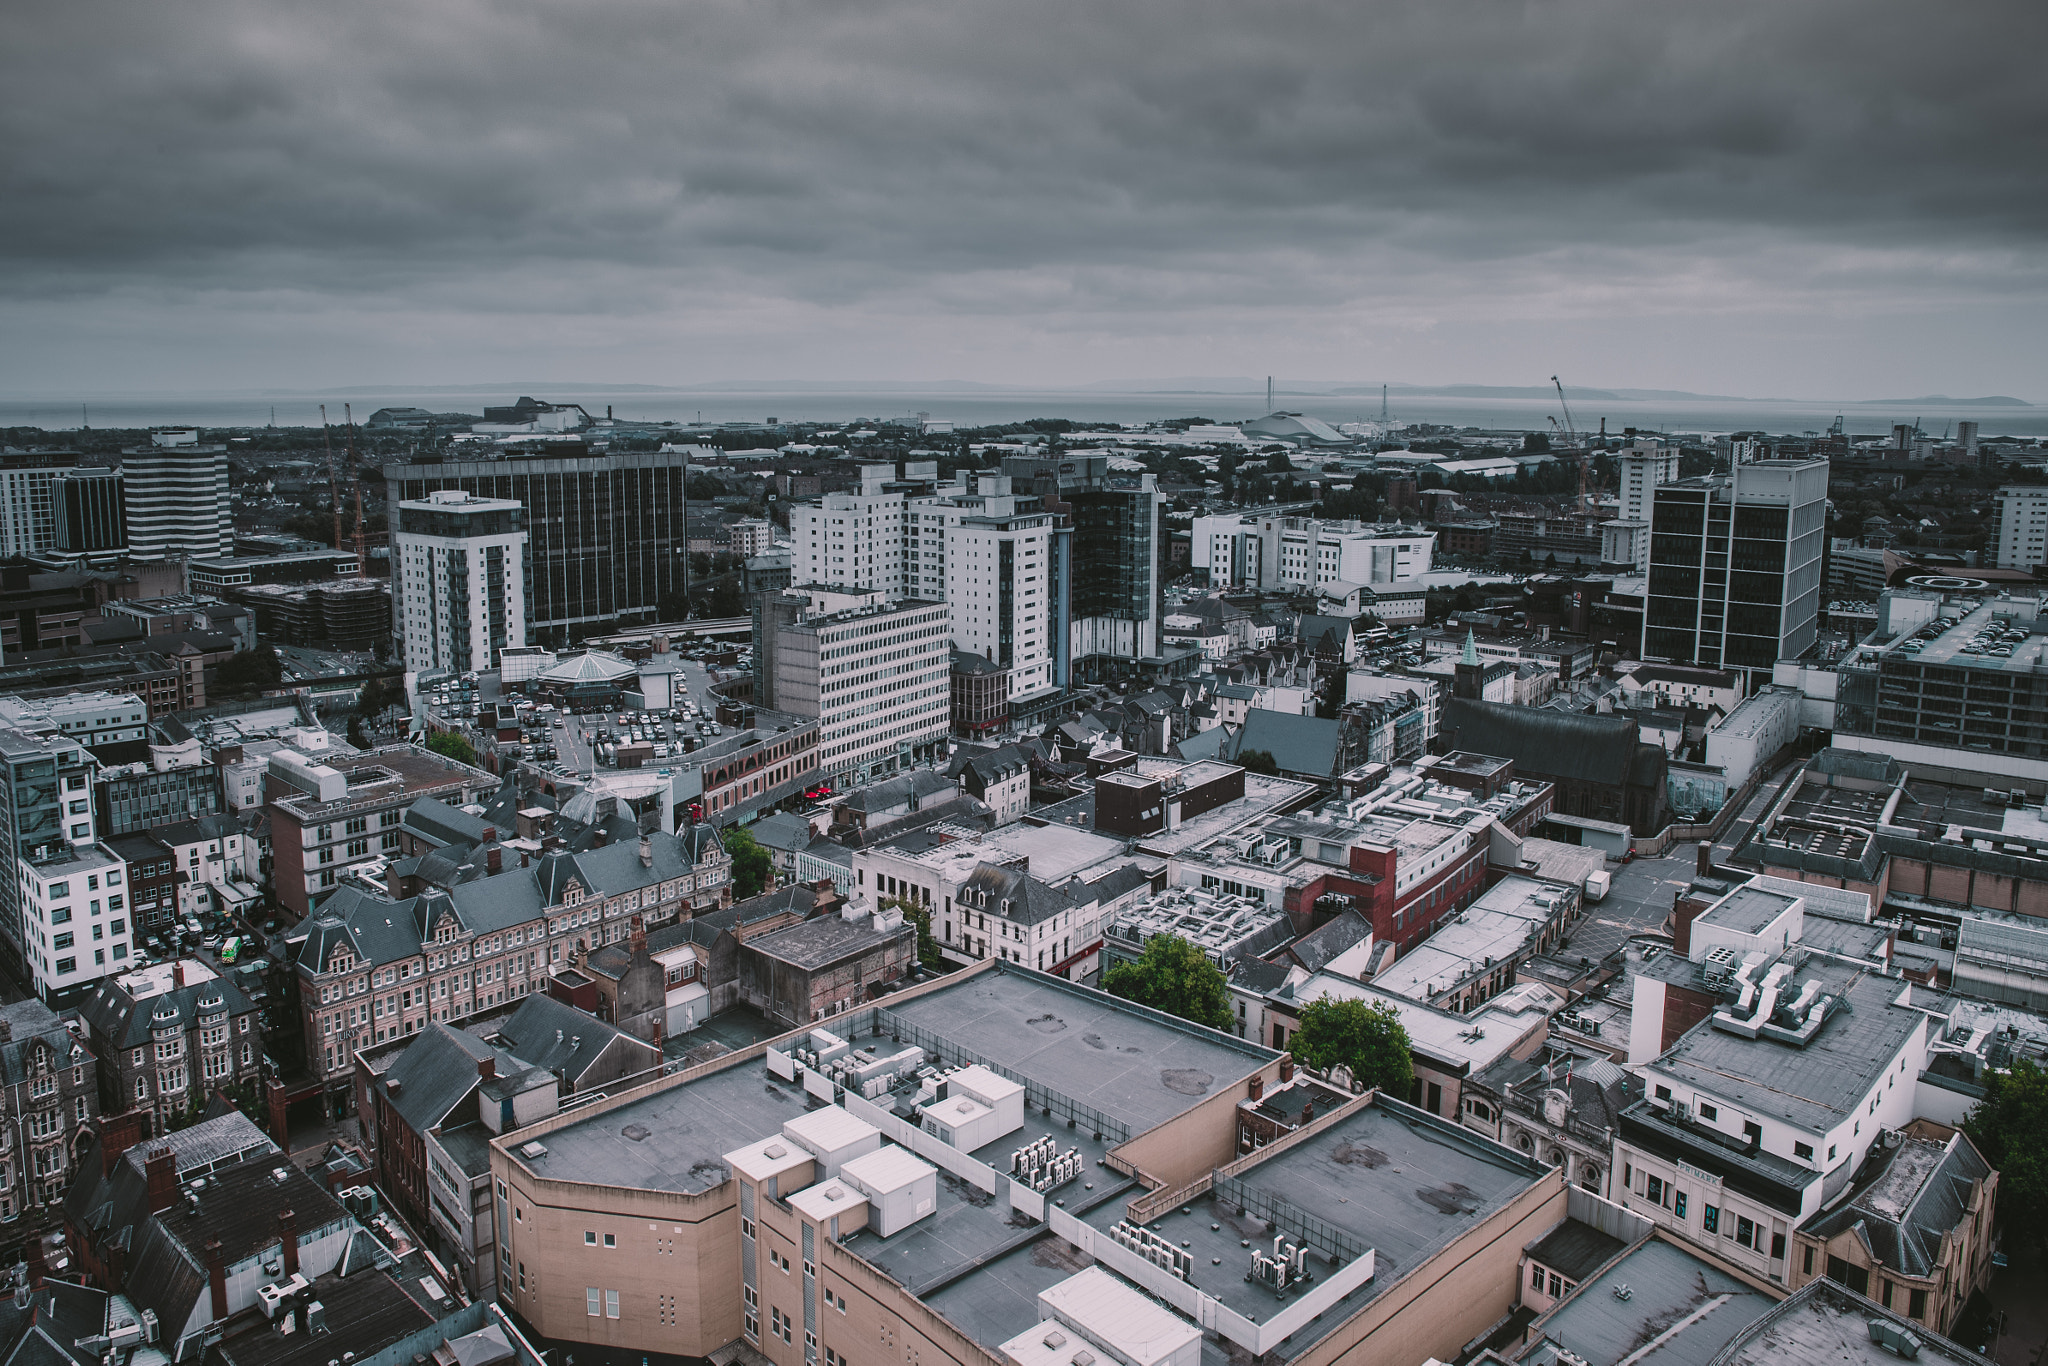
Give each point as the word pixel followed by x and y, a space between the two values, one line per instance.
pixel 1766 199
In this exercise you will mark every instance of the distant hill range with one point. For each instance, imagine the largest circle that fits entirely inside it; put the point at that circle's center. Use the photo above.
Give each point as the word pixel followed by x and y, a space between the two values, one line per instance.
pixel 1944 401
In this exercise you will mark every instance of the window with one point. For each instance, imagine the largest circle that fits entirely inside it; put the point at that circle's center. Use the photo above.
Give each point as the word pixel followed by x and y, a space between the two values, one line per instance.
pixel 1806 1261
pixel 1803 1151
pixel 1710 1219
pixel 611 1240
pixel 589 1239
pixel 1536 1278
pixel 1745 1231
pixel 1653 1189
pixel 1663 1093
pixel 1916 1305
pixel 1678 1203
pixel 593 1301
pixel 611 1304
pixel 1709 1112
pixel 1777 1247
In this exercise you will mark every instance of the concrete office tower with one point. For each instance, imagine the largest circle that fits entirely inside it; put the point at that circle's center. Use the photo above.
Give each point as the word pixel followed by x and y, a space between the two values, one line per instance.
pixel 1306 552
pixel 28 521
pixel 459 582
pixel 177 500
pixel 2020 513
pixel 64 913
pixel 1644 465
pixel 606 528
pixel 998 582
pixel 856 539
pixel 89 515
pixel 1735 565
pixel 877 675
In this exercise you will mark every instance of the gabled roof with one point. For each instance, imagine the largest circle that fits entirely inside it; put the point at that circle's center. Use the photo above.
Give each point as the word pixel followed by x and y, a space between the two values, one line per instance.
pixel 34 1026
pixel 1018 897
pixel 1316 948
pixel 122 1021
pixel 1910 1194
pixel 559 1037
pixel 1552 744
pixel 1298 744
pixel 437 1072
pixel 781 830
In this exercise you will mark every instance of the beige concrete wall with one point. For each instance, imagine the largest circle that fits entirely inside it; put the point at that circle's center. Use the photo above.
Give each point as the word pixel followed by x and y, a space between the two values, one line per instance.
pixel 1183 1148
pixel 1435 1308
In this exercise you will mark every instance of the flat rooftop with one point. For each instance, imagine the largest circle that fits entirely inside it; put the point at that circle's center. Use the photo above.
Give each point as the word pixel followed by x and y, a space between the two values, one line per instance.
pixel 1975 640
pixel 1666 1283
pixel 1135 1065
pixel 1747 910
pixel 1814 1087
pixel 1132 1064
pixel 1262 796
pixel 1390 1178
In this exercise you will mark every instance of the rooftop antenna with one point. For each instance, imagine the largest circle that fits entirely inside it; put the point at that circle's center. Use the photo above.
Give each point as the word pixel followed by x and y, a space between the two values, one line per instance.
pixel 333 484
pixel 1383 405
pixel 84 422
pixel 1269 393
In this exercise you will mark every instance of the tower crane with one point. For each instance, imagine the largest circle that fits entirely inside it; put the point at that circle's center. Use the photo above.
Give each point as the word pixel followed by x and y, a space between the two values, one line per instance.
pixel 333 482
pixel 1575 441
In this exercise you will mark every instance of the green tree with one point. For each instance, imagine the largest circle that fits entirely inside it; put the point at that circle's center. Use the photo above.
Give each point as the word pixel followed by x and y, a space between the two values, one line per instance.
pixel 1176 977
pixel 448 743
pixel 249 672
pixel 1258 761
pixel 1368 1039
pixel 753 868
pixel 920 916
pixel 2010 1127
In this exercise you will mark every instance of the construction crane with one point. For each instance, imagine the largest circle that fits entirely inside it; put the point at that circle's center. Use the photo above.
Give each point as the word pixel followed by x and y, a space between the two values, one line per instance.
pixel 1576 444
pixel 333 483
pixel 355 479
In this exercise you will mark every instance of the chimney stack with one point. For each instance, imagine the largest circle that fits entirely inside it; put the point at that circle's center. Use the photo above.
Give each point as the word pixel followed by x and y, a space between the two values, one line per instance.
pixel 118 1133
pixel 35 1261
pixel 217 1276
pixel 288 1235
pixel 487 1069
pixel 1286 1067
pixel 646 851
pixel 639 936
pixel 161 1171
pixel 1256 1087
pixel 494 859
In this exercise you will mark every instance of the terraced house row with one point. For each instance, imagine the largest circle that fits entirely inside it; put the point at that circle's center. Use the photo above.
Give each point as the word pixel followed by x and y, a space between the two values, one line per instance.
pixel 373 968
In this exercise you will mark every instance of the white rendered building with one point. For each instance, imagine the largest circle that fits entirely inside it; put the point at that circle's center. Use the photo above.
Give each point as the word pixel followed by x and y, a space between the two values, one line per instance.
pixel 460 580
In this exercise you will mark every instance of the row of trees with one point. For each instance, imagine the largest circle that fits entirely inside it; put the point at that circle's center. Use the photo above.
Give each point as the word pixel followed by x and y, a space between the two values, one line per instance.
pixel 1176 977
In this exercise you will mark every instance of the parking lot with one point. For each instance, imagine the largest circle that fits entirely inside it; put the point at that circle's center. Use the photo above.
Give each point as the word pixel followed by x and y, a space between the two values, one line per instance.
pixel 250 969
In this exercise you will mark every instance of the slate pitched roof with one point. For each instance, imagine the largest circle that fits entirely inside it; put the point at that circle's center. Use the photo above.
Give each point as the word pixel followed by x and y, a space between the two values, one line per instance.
pixel 1347 930
pixel 1553 744
pixel 1029 900
pixel 34 1025
pixel 557 1036
pixel 112 1014
pixel 1909 1195
pixel 1298 744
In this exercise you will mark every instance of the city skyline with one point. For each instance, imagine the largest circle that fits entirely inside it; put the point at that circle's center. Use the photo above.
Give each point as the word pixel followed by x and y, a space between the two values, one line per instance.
pixel 1760 200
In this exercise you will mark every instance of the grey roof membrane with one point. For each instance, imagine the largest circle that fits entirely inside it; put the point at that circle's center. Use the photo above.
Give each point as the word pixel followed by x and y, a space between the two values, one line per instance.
pixel 1666 1284
pixel 1814 1087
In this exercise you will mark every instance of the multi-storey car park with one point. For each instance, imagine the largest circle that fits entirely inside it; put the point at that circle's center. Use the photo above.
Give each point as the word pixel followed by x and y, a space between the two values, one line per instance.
pixel 939 1176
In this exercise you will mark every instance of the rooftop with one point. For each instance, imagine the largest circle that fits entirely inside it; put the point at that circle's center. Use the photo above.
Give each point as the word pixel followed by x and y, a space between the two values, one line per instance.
pixel 1822 1321
pixel 1666 1287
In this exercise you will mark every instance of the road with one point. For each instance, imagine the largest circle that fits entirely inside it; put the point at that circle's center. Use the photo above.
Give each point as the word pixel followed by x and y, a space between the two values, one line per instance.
pixel 1640 899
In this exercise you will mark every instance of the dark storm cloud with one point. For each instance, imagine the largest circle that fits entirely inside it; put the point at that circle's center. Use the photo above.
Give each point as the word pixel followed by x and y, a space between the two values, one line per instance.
pixel 1065 158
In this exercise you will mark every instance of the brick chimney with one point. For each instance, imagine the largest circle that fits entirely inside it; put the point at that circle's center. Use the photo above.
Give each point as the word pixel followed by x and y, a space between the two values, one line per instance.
pixel 288 1235
pixel 490 833
pixel 1286 1067
pixel 118 1133
pixel 34 1252
pixel 1255 1089
pixel 487 1069
pixel 646 851
pixel 161 1171
pixel 217 1276
pixel 494 859
pixel 639 936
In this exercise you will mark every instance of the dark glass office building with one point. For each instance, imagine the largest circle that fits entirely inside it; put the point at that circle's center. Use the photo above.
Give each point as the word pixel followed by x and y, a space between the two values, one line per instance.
pixel 1735 565
pixel 606 528
pixel 91 512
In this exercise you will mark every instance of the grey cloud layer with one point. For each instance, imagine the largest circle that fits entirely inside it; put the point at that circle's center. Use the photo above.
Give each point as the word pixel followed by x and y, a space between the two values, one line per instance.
pixel 1051 156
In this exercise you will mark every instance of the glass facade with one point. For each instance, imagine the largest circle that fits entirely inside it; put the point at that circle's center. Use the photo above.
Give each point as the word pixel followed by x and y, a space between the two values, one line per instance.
pixel 1113 565
pixel 1734 580
pixel 606 531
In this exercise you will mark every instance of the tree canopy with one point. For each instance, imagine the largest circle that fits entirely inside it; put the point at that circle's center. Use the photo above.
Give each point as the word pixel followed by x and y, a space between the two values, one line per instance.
pixel 1368 1039
pixel 753 868
pixel 1174 976
pixel 453 746
pixel 2010 1127
pixel 1258 761
pixel 248 672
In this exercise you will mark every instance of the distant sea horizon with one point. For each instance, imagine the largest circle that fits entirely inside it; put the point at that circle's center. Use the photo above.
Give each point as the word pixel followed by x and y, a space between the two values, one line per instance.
pixel 970 406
